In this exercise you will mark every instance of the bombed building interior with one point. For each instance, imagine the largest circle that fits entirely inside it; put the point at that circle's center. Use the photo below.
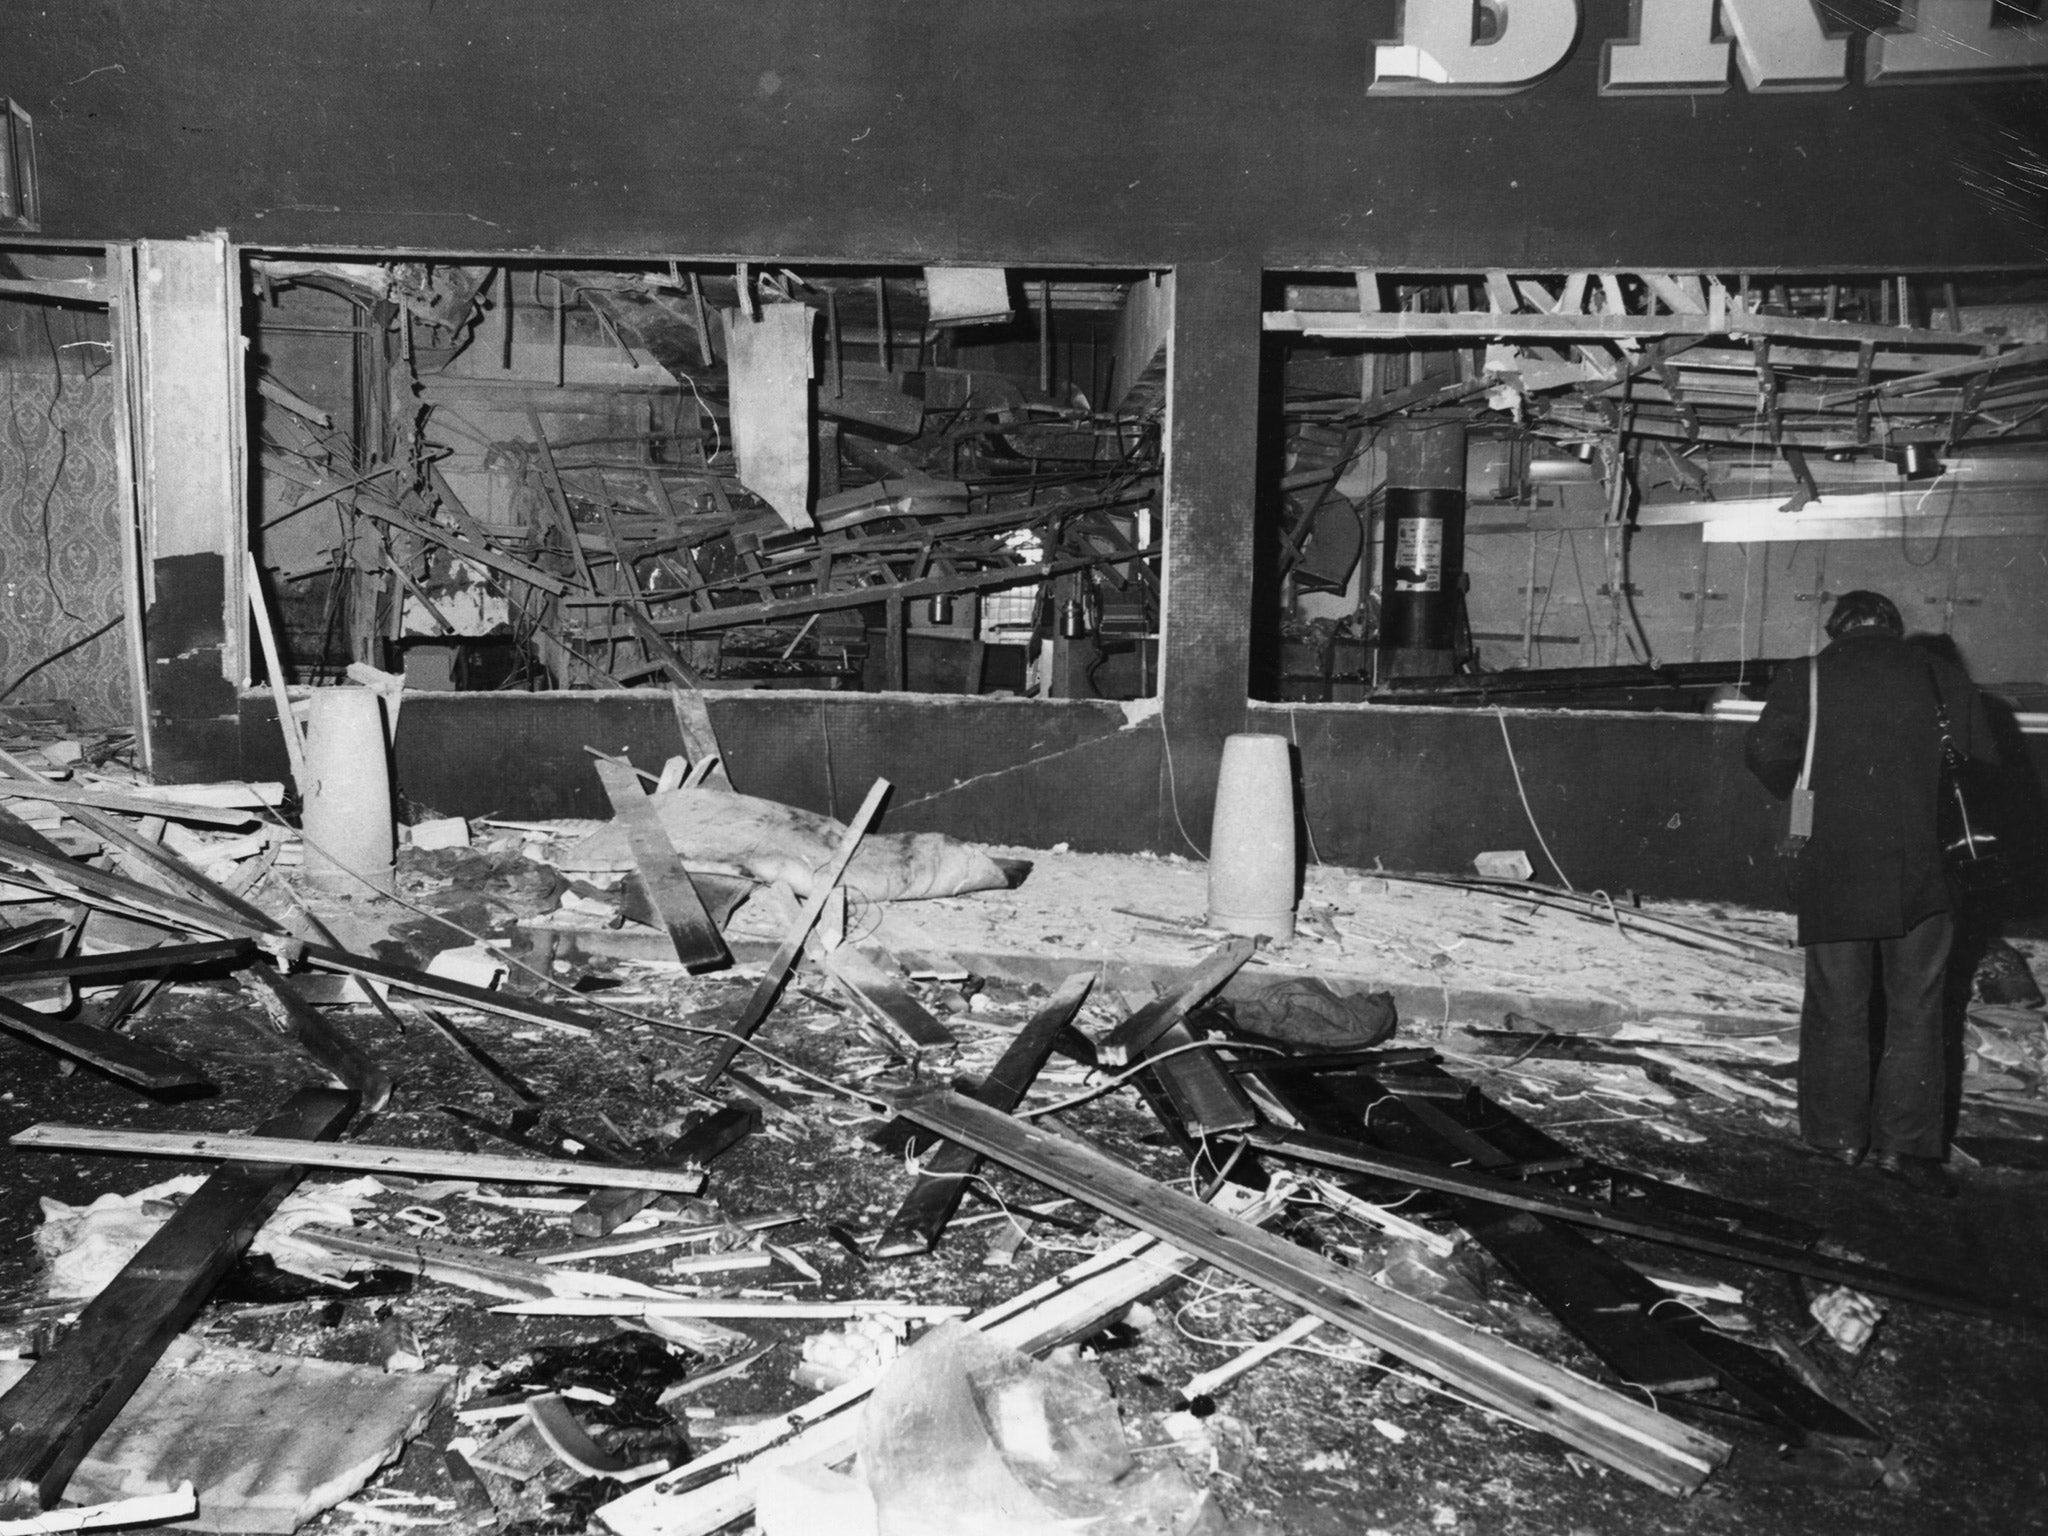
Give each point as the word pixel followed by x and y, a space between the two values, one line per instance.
pixel 890 770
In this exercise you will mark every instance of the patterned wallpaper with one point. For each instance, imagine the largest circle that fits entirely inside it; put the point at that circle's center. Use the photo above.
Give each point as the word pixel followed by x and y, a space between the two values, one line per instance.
pixel 60 531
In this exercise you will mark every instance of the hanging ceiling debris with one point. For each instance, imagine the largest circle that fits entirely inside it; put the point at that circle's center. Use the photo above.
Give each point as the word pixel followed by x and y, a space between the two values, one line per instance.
pixel 604 468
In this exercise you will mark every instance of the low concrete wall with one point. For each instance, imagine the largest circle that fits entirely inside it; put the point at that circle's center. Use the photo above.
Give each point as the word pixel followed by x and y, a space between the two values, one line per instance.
pixel 1656 804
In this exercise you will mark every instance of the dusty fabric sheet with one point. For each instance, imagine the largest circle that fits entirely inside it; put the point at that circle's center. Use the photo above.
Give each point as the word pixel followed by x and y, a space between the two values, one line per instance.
pixel 769 842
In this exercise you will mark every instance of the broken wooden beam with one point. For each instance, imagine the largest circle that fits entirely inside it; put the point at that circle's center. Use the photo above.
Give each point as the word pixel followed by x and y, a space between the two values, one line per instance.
pixel 1609 1307
pixel 460 993
pixel 319 1037
pixel 1646 1445
pixel 489 1066
pixel 681 910
pixel 1474 324
pixel 881 995
pixel 132 1061
pixel 489 1274
pixel 363 1157
pixel 919 1221
pixel 179 875
pixel 783 961
pixel 128 962
pixel 51 1417
pixel 717 1488
pixel 106 797
pixel 64 875
pixel 790 1310
pixel 1355 1157
pixel 1128 1040
pixel 1205 1097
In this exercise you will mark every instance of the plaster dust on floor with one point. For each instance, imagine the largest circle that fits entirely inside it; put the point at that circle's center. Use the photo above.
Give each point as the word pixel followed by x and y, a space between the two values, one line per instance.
pixel 1442 951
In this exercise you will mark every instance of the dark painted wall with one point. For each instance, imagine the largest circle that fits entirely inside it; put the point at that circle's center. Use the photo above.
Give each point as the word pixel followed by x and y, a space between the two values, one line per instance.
pixel 1114 131
pixel 1661 805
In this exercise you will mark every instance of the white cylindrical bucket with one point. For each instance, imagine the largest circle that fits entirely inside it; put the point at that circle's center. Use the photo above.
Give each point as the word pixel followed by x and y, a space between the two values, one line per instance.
pixel 350 839
pixel 1251 840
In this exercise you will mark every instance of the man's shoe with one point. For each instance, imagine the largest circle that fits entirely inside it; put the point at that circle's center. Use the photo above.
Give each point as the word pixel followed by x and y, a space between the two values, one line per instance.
pixel 1848 1157
pixel 1922 1173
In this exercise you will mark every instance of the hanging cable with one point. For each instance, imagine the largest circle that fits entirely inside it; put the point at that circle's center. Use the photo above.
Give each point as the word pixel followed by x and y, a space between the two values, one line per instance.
pixel 1501 715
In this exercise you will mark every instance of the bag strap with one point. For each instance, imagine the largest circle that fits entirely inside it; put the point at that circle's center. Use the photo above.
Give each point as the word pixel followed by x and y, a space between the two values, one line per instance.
pixel 1951 754
pixel 1813 719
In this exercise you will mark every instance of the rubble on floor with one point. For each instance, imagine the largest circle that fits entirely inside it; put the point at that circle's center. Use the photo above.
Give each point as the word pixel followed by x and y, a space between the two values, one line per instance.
pixel 1030 1203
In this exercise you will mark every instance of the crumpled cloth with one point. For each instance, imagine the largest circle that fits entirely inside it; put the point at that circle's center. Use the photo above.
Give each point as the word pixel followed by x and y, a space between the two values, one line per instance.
pixel 769 842
pixel 85 1246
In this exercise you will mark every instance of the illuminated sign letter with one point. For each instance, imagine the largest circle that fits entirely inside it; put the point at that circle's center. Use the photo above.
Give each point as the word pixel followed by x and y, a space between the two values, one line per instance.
pixel 1670 50
pixel 1953 40
pixel 1441 51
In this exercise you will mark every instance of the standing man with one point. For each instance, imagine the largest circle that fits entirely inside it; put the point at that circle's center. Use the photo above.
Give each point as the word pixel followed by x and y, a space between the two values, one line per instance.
pixel 1876 909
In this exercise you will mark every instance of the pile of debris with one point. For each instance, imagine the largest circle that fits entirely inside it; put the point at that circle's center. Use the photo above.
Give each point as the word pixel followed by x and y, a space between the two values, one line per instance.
pixel 715 517
pixel 1259 1133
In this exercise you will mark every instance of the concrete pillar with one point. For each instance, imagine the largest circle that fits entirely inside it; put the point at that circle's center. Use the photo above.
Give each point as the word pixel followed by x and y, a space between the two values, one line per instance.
pixel 1212 405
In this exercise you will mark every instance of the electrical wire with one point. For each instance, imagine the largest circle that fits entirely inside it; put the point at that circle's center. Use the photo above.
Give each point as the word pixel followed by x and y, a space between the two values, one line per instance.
pixel 1501 715
pixel 1173 785
pixel 1307 823
pixel 59 655
pixel 1940 532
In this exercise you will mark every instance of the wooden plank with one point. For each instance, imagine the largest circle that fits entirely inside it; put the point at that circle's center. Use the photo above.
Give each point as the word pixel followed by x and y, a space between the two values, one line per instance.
pixel 273 668
pixel 1128 1040
pixel 1523 1142
pixel 1760 1382
pixel 557 499
pixel 127 962
pixel 724 1128
pixel 52 1416
pixel 59 871
pixel 1683 293
pixel 467 548
pixel 730 1307
pixel 489 1274
pixel 1608 327
pixel 489 1066
pixel 362 1156
pixel 173 870
pixel 1352 1156
pixel 783 961
pixel 700 739
pixel 883 995
pixel 1604 1302
pixel 319 1037
pixel 460 993
pixel 772 610
pixel 681 909
pixel 1646 1445
pixel 705 1494
pixel 133 1062
pixel 921 1219
pixel 109 798
pixel 1204 1094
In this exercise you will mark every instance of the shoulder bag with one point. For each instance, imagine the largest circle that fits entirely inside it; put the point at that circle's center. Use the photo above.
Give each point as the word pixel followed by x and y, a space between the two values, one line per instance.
pixel 1970 844
pixel 1799 818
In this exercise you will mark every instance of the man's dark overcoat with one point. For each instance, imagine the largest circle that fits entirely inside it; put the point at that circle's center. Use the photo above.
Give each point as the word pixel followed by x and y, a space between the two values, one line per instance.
pixel 1873 868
